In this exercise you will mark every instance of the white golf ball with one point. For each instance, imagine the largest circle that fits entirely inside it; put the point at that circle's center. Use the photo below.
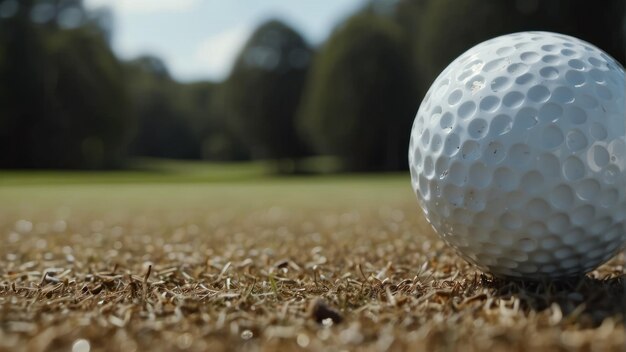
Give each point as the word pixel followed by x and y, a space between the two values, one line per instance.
pixel 518 156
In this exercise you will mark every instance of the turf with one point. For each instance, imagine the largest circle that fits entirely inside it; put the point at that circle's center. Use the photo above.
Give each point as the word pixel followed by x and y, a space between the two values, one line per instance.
pixel 330 263
pixel 143 171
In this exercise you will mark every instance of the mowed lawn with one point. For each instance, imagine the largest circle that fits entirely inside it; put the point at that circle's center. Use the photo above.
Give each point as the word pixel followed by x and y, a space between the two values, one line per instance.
pixel 198 257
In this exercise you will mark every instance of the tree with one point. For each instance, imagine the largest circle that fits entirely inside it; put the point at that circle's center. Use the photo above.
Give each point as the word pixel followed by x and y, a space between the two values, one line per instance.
pixel 21 78
pixel 360 101
pixel 163 128
pixel 176 120
pixel 90 103
pixel 450 27
pixel 217 140
pixel 409 15
pixel 262 94
pixel 62 103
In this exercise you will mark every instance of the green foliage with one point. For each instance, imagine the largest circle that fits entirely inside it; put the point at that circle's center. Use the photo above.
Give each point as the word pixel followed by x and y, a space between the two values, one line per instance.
pixel 207 118
pixel 163 127
pixel 175 120
pixel 91 97
pixel 23 47
pixel 360 100
pixel 67 102
pixel 450 27
pixel 263 92
pixel 63 104
pixel 410 15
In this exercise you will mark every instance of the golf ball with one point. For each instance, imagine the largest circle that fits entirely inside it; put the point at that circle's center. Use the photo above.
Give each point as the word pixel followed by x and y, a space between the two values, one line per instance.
pixel 518 156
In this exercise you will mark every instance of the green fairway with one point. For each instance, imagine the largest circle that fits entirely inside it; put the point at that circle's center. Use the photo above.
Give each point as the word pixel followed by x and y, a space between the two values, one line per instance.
pixel 167 184
pixel 149 170
pixel 143 171
pixel 301 192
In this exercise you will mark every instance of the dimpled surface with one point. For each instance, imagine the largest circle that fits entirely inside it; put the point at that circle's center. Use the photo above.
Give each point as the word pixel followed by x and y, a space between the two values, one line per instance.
pixel 518 155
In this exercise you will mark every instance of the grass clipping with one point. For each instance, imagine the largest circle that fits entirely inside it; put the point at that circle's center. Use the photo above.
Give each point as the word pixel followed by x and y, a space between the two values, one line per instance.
pixel 278 279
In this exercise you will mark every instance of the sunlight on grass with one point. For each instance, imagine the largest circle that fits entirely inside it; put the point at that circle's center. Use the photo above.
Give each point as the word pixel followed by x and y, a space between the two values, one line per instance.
pixel 143 171
pixel 168 184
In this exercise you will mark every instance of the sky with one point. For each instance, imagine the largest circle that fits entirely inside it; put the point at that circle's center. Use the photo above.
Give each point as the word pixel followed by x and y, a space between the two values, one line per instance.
pixel 199 39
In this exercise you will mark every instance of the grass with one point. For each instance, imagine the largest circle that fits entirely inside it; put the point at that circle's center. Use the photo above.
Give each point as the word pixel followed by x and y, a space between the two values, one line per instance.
pixel 149 170
pixel 143 171
pixel 160 262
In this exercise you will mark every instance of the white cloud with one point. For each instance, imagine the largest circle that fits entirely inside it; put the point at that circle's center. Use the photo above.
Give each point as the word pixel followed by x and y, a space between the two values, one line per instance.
pixel 216 54
pixel 144 6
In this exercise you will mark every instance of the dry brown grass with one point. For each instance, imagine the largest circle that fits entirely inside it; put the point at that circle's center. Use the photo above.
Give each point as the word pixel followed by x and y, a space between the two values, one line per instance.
pixel 272 275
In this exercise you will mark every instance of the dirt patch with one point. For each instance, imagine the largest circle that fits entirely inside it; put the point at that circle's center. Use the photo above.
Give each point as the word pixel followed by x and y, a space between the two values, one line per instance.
pixel 277 278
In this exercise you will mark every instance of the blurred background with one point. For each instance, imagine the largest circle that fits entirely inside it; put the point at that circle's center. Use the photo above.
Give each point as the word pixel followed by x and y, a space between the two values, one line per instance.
pixel 311 86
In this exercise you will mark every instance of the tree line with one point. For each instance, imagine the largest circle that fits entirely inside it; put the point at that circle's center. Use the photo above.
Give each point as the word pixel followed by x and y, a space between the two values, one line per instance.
pixel 66 101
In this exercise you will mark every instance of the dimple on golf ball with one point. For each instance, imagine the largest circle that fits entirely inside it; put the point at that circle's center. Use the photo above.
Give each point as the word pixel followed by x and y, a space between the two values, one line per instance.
pixel 518 156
